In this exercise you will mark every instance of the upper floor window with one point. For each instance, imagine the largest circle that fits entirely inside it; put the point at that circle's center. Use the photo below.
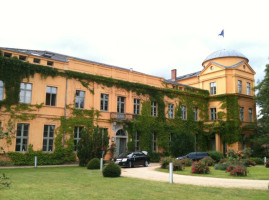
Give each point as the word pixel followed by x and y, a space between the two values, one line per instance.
pixel 48 137
pixel 22 137
pixel 25 92
pixel 137 138
pixel 8 55
pixel 79 101
pixel 195 114
pixel 154 142
pixel 213 88
pixel 51 93
pixel 239 86
pixel 77 136
pixel 241 114
pixel 153 108
pixel 121 104
pixel 36 60
pixel 136 106
pixel 184 112
pixel 104 102
pixel 1 90
pixel 250 115
pixel 213 113
pixel 248 88
pixel 23 58
pixel 50 63
pixel 170 111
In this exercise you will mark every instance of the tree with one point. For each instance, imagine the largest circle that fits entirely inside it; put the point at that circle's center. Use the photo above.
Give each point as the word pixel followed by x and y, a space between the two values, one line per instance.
pixel 261 138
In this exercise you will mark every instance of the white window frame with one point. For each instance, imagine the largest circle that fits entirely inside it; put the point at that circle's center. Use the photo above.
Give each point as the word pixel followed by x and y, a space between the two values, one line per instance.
pixel 50 92
pixel 104 102
pixel 80 99
pixel 153 108
pixel 120 104
pixel 239 83
pixel 25 93
pixel 47 146
pixel 22 135
pixel 1 90
pixel 213 88
pixel 248 88
pixel 213 114
pixel 183 112
pixel 195 113
pixel 154 142
pixel 250 114
pixel 137 143
pixel 136 106
pixel 77 136
pixel 170 111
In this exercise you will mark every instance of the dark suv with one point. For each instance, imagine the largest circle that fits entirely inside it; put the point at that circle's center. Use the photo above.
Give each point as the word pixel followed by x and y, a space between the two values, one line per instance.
pixel 194 156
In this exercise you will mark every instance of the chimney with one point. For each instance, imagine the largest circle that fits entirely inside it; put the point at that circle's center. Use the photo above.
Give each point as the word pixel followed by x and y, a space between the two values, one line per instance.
pixel 173 74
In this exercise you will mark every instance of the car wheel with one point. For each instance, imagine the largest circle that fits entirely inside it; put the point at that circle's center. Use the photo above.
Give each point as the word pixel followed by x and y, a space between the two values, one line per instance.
pixel 130 164
pixel 146 164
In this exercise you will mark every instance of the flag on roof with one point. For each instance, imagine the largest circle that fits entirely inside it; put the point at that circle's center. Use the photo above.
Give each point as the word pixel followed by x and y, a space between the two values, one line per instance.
pixel 222 33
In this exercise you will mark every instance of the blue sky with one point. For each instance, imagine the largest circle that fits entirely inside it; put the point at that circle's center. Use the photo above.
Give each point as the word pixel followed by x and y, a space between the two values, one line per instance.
pixel 149 36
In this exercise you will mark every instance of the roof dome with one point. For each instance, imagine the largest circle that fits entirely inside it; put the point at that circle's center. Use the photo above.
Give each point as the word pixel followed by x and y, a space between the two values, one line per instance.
pixel 225 53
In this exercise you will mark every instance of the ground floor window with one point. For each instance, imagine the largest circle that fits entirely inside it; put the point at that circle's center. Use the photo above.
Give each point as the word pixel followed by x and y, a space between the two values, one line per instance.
pixel 77 136
pixel 154 145
pixel 48 137
pixel 22 137
pixel 137 135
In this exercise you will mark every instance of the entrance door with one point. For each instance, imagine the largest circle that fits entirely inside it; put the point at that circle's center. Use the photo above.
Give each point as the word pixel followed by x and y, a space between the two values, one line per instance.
pixel 121 142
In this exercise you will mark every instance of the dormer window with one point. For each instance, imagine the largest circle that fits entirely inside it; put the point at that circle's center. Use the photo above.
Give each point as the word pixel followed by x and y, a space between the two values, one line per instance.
pixel 211 67
pixel 7 55
pixel 36 60
pixel 23 58
pixel 49 63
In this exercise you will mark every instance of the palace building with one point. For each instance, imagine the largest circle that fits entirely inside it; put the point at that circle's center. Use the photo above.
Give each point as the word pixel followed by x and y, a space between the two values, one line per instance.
pixel 41 89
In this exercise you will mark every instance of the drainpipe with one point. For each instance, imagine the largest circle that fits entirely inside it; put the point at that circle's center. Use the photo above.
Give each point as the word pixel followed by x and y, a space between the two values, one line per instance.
pixel 66 84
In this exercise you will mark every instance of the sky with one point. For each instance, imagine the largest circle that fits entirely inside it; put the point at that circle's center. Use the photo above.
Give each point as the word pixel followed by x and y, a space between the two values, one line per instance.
pixel 152 37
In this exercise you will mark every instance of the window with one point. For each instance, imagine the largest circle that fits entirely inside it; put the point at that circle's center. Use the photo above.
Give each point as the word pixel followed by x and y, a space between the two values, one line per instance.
pixel 49 63
pixel 239 86
pixel 48 137
pixel 22 137
pixel 120 104
pixel 36 60
pixel 104 102
pixel 136 106
pixel 8 55
pixel 195 114
pixel 51 93
pixel 213 113
pixel 25 93
pixel 250 115
pixel 183 112
pixel 248 88
pixel 211 67
pixel 154 144
pixel 137 136
pixel 153 108
pixel 241 114
pixel 23 58
pixel 213 89
pixel 170 111
pixel 79 101
pixel 1 90
pixel 77 136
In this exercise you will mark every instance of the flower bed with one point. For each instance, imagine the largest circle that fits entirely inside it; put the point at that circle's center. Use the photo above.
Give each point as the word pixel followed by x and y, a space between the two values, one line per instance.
pixel 237 170
pixel 200 168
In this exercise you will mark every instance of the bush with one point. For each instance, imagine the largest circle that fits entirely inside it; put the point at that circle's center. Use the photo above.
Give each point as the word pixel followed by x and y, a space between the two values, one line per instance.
pixel 4 181
pixel 248 162
pixel 155 157
pixel 112 170
pixel 208 161
pixel 267 164
pixel 221 166
pixel 216 155
pixel 94 164
pixel 237 170
pixel 186 162
pixel 258 161
pixel 177 166
pixel 165 162
pixel 200 168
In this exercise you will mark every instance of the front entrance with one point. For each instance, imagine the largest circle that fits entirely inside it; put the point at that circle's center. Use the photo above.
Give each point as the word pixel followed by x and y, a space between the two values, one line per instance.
pixel 121 142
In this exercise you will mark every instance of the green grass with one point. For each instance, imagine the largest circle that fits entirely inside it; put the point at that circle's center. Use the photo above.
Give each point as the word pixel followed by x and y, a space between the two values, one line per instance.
pixel 255 173
pixel 79 183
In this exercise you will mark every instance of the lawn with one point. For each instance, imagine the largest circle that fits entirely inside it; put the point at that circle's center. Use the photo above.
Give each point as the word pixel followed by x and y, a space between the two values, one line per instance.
pixel 79 183
pixel 255 173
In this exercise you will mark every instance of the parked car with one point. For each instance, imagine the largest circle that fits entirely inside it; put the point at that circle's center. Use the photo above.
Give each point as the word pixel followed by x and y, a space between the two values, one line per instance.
pixel 194 156
pixel 133 159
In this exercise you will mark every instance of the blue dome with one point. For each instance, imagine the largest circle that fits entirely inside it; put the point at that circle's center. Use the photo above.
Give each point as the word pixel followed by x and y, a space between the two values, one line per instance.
pixel 225 53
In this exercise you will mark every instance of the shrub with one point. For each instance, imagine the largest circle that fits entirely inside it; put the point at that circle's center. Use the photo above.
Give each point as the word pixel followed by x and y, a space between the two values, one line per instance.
pixel 224 160
pixel 94 164
pixel 155 157
pixel 186 162
pixel 267 164
pixel 258 161
pixel 221 166
pixel 177 166
pixel 216 155
pixel 112 170
pixel 208 161
pixel 237 170
pixel 200 168
pixel 4 181
pixel 165 162
pixel 248 162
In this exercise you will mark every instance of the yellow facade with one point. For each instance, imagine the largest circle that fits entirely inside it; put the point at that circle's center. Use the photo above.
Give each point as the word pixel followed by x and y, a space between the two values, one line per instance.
pixel 218 70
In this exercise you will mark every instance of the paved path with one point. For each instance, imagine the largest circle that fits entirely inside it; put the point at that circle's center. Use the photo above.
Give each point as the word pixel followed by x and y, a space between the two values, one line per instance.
pixel 150 173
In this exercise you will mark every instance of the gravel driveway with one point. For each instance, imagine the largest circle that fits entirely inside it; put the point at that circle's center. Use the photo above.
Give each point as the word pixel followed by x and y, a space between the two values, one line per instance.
pixel 150 173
